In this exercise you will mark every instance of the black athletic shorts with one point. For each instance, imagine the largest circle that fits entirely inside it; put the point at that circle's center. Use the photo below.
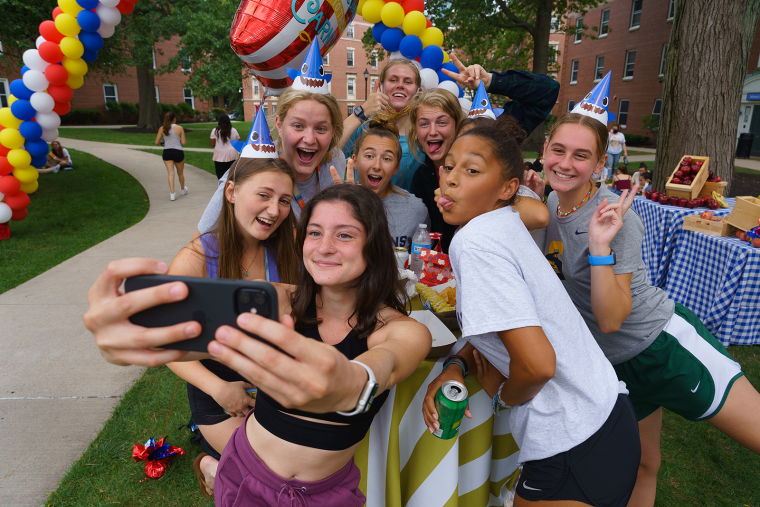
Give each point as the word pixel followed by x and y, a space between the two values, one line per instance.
pixel 206 411
pixel 600 471
pixel 173 154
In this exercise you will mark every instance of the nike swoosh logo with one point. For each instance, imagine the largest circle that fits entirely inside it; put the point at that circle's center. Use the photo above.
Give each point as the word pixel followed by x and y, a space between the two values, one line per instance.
pixel 693 390
pixel 579 233
pixel 525 485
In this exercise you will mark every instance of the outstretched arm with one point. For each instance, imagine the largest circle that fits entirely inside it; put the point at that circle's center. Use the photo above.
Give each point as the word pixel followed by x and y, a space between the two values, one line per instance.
pixel 533 96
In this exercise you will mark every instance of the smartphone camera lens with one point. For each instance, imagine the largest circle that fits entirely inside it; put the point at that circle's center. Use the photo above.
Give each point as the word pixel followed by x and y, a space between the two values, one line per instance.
pixel 245 298
pixel 259 299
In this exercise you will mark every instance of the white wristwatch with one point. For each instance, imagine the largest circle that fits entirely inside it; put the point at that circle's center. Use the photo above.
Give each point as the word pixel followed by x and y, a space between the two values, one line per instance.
pixel 367 395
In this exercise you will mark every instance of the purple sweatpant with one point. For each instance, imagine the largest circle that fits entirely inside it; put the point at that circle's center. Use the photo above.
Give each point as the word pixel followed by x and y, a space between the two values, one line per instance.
pixel 243 480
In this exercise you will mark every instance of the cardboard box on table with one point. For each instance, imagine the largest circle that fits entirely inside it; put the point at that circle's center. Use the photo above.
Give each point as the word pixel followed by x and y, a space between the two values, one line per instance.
pixel 711 227
pixel 745 214
pixel 688 191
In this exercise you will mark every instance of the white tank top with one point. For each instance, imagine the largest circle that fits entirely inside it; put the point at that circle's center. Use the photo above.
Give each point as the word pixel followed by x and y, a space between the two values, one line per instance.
pixel 172 141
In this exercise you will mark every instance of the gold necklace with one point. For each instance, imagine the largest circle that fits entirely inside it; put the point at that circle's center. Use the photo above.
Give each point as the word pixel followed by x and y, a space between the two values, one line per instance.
pixel 559 212
pixel 247 273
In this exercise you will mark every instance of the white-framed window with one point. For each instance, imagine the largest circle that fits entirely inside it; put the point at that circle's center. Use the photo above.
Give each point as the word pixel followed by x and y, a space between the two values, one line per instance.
pixel 111 92
pixel 622 118
pixel 570 105
pixel 255 87
pixel 671 10
pixel 350 57
pixel 373 82
pixel 274 109
pixel 326 60
pixel 189 97
pixel 157 96
pixel 154 58
pixel 4 92
pixel 187 64
pixel 350 31
pixel 578 30
pixel 604 24
pixel 351 86
pixel 373 60
pixel 599 71
pixel 350 109
pixel 657 107
pixel 636 14
pixel 746 113
pixel 662 60
pixel 266 111
pixel 630 59
pixel 329 86
pixel 574 72
pixel 553 52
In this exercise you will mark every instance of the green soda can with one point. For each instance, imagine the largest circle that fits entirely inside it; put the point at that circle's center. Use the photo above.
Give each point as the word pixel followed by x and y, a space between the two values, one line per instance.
pixel 450 403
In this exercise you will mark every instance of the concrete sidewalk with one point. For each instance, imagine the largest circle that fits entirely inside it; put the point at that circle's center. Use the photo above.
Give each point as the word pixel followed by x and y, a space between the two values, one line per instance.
pixel 56 390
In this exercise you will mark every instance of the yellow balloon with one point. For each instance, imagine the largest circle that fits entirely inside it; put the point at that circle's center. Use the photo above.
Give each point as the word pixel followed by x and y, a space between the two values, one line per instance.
pixel 432 37
pixel 71 47
pixel 75 81
pixel 446 58
pixel 26 174
pixel 360 7
pixel 372 10
pixel 414 23
pixel 70 7
pixel 7 119
pixel 11 100
pixel 392 14
pixel 19 158
pixel 76 67
pixel 30 188
pixel 67 24
pixel 11 138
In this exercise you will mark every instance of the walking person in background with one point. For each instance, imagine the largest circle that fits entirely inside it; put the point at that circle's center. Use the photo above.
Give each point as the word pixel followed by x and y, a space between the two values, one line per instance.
pixel 615 145
pixel 224 153
pixel 174 155
pixel 58 159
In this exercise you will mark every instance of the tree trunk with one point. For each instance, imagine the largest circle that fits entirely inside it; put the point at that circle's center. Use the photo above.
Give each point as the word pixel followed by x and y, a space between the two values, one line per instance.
pixel 704 76
pixel 540 35
pixel 146 88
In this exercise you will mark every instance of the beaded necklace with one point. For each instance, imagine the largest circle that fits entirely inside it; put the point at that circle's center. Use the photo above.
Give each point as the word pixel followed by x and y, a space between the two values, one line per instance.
pixel 559 212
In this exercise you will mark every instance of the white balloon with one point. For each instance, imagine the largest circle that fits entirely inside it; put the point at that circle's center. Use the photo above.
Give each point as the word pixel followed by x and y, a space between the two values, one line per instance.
pixel 429 79
pixel 106 31
pixel 40 40
pixel 108 15
pixel 466 104
pixel 35 80
pixel 450 86
pixel 109 3
pixel 49 135
pixel 5 212
pixel 42 102
pixel 34 61
pixel 396 54
pixel 48 121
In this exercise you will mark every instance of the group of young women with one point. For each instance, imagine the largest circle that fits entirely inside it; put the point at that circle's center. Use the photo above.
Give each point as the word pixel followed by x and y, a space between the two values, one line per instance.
pixel 581 347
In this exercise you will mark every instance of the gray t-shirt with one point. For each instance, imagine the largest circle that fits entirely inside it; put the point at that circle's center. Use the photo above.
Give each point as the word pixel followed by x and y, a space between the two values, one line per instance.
pixel 504 283
pixel 405 213
pixel 566 248
pixel 308 190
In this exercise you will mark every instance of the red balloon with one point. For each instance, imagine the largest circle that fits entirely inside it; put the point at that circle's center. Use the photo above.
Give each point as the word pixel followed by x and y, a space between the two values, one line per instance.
pixel 4 151
pixel 9 185
pixel 62 108
pixel 5 167
pixel 50 52
pixel 50 32
pixel 56 12
pixel 61 93
pixel 429 23
pixel 19 200
pixel 413 5
pixel 125 7
pixel 19 214
pixel 56 74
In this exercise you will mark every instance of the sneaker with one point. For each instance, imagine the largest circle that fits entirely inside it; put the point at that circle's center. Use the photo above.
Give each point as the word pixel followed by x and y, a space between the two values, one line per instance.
pixel 183 191
pixel 56 168
pixel 173 197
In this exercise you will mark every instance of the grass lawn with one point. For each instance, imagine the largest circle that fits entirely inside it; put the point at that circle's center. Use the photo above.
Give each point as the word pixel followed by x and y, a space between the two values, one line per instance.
pixel 199 159
pixel 71 211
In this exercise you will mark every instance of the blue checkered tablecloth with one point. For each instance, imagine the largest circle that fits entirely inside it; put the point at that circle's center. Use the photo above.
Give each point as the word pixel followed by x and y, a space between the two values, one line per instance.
pixel 717 278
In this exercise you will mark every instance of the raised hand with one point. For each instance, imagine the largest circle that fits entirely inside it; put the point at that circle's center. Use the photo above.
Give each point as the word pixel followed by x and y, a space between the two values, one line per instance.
pixel 534 182
pixel 234 399
pixel 607 220
pixel 468 76
pixel 337 180
pixel 376 101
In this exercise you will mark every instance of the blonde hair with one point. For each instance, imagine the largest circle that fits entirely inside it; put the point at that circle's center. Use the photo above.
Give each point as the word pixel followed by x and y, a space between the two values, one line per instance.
pixel 401 61
pixel 437 97
pixel 291 97
pixel 595 126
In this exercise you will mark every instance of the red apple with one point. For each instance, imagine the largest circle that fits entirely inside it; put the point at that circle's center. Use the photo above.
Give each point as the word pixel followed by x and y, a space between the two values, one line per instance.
pixel 673 201
pixel 655 196
pixel 682 203
pixel 691 204
pixel 648 194
pixel 710 180
pixel 686 182
pixel 756 242
pixel 687 160
pixel 717 179
pixel 711 174
pixel 675 181
pixel 742 236
pixel 700 201
pixel 684 163
pixel 700 163
pixel 678 174
pixel 664 199
pixel 714 204
pixel 707 215
pixel 739 234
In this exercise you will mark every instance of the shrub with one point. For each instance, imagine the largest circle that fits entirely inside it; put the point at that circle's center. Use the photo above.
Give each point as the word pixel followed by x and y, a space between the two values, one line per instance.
pixel 113 107
pixel 635 140
pixel 163 109
pixel 185 110
pixel 217 112
pixel 83 117
pixel 550 122
pixel 129 109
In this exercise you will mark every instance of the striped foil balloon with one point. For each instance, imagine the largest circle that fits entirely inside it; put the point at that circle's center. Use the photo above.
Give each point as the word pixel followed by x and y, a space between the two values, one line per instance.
pixel 270 35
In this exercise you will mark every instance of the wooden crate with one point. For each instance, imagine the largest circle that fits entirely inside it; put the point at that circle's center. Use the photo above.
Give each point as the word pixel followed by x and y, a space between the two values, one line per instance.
pixel 708 188
pixel 688 191
pixel 745 214
pixel 711 227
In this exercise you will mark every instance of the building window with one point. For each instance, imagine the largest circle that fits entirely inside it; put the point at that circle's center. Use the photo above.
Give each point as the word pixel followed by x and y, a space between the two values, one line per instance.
pixel 189 97
pixel 553 53
pixel 574 72
pixel 154 58
pixel 350 31
pixel 274 109
pixel 630 59
pixel 671 10
pixel 662 60
pixel 351 86
pixel 373 82
pixel 578 30
pixel 350 109
pixel 110 92
pixel 636 14
pixel 373 60
pixel 226 101
pixel 350 57
pixel 187 64
pixel 326 59
pixel 157 97
pixel 746 113
pixel 657 107
pixel 4 93
pixel 266 111
pixel 216 101
pixel 570 105
pixel 599 73
pixel 623 113
pixel 256 87
pixel 604 26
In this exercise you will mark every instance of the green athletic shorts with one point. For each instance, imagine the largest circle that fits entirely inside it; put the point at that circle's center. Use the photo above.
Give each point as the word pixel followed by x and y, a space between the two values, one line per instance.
pixel 686 370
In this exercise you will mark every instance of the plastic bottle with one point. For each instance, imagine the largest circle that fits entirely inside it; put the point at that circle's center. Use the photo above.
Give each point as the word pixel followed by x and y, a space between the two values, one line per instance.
pixel 420 240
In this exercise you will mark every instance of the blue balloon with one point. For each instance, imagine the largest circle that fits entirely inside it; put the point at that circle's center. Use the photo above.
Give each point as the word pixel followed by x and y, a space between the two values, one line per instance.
pixel 39 162
pixel 378 30
pixel 431 58
pixel 410 47
pixel 30 130
pixel 38 148
pixel 392 38
pixel 91 40
pixel 451 68
pixel 89 56
pixel 87 4
pixel 88 21
pixel 461 91
pixel 24 69
pixel 23 110
pixel 19 90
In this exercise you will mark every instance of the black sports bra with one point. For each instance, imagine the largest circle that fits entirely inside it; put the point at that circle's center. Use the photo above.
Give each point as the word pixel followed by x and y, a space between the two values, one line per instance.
pixel 330 437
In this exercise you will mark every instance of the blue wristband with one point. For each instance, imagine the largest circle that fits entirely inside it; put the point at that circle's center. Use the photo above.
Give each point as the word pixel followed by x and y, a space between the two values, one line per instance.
pixel 599 260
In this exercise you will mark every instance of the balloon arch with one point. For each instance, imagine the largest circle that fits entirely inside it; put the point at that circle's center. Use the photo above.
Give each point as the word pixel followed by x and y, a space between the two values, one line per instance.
pixel 267 35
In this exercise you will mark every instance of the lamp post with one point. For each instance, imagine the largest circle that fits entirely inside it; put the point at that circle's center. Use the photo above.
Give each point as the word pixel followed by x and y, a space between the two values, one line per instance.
pixel 366 76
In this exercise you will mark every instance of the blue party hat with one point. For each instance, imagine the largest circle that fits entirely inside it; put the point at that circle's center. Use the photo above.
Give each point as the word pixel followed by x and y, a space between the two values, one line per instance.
pixel 311 77
pixel 596 102
pixel 259 143
pixel 481 105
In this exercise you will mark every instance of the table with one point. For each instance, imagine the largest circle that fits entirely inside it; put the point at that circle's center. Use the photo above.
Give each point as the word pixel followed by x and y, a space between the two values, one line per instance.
pixel 402 464
pixel 717 278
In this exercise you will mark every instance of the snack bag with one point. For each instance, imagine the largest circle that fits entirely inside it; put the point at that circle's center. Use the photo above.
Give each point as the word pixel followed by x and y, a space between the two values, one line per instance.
pixel 437 267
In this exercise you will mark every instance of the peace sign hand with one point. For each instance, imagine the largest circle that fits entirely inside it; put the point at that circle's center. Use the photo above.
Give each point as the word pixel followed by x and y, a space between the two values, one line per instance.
pixel 337 180
pixel 607 221
pixel 468 76
pixel 376 101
